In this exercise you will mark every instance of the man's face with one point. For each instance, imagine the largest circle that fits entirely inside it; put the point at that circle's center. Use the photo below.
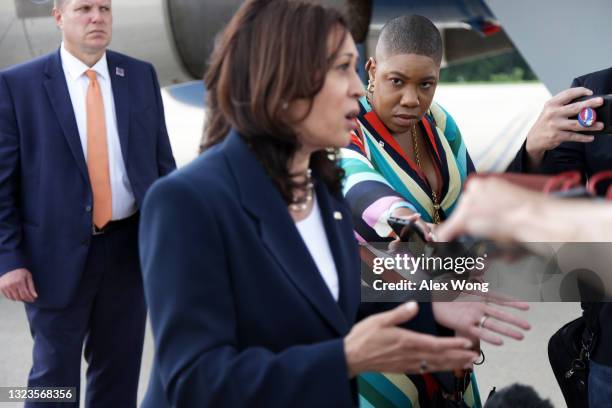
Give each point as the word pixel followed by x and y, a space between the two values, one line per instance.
pixel 86 25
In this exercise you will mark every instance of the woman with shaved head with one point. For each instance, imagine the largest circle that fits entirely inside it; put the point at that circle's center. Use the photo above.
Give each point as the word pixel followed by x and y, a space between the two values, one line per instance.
pixel 419 158
pixel 407 159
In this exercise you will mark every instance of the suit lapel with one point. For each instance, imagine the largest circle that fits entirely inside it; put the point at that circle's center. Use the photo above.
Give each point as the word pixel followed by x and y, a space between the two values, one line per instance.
pixel 121 95
pixel 57 91
pixel 279 233
pixel 338 228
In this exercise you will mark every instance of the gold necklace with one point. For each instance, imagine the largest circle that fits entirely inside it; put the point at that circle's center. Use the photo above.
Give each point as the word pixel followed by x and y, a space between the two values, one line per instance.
pixel 434 196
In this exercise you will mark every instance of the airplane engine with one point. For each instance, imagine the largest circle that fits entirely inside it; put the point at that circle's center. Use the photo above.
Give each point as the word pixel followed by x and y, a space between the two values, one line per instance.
pixel 177 36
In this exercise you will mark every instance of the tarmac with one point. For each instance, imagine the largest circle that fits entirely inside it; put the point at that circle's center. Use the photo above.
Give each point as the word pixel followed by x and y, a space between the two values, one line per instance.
pixel 524 361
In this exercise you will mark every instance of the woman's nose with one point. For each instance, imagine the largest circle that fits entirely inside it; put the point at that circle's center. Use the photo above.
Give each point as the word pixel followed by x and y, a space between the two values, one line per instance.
pixel 410 98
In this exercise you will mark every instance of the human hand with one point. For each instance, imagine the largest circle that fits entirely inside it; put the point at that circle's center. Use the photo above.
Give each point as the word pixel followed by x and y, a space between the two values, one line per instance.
pixel 18 285
pixel 481 321
pixel 432 230
pixel 490 208
pixel 377 344
pixel 406 213
pixel 554 127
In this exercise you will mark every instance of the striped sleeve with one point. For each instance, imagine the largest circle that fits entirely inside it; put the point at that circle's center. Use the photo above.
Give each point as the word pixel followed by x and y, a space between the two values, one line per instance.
pixel 371 198
pixel 447 125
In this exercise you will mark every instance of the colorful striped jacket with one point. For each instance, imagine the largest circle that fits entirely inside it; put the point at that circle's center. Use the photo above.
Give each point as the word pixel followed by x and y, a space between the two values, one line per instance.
pixel 380 177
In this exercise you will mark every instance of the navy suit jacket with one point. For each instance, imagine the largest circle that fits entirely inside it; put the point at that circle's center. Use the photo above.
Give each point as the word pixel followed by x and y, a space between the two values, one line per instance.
pixel 240 314
pixel 45 195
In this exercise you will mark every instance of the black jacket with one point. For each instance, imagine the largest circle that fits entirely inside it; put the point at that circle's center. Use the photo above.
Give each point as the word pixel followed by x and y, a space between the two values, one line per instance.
pixel 588 158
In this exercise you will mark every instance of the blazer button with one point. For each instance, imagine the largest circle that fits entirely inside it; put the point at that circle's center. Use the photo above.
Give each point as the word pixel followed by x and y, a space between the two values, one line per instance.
pixel 88 208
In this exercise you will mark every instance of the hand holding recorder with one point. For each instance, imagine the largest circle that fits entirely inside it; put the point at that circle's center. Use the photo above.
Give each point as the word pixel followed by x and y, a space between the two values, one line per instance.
pixel 559 122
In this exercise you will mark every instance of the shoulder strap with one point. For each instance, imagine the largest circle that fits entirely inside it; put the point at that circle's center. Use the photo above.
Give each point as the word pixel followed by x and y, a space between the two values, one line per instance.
pixel 590 313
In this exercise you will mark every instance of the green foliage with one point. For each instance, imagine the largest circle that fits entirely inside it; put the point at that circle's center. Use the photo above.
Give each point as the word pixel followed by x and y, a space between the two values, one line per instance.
pixel 506 67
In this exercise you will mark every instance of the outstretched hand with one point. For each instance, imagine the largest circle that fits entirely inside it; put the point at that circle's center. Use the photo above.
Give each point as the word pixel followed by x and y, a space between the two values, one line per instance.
pixel 378 344
pixel 481 320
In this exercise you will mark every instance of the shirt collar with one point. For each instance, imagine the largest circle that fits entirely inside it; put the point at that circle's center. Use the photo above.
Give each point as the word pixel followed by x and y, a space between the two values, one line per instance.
pixel 76 68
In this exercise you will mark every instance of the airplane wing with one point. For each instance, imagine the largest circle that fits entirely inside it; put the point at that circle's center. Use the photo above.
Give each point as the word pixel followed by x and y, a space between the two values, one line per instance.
pixel 560 39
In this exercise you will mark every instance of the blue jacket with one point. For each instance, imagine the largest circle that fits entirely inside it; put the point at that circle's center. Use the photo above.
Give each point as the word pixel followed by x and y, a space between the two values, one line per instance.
pixel 240 314
pixel 45 194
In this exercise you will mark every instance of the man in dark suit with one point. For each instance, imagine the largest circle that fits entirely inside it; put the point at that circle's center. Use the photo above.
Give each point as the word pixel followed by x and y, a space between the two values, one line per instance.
pixel 82 137
pixel 554 146
pixel 554 143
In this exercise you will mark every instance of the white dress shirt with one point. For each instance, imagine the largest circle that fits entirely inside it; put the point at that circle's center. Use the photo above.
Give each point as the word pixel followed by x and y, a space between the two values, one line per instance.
pixel 124 203
pixel 313 233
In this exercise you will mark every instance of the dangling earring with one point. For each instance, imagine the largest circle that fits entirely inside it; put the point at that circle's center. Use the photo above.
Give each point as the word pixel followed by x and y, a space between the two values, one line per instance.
pixel 370 91
pixel 285 105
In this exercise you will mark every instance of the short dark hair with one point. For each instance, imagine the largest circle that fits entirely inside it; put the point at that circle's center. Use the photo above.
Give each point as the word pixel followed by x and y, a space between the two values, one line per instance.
pixel 271 53
pixel 410 35
pixel 517 395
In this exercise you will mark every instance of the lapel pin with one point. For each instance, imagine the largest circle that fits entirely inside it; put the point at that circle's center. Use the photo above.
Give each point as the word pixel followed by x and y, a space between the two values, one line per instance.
pixel 337 215
pixel 120 72
pixel 381 143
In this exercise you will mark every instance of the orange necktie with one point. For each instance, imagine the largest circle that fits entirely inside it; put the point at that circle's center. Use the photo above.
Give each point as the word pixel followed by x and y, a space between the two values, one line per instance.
pixel 97 153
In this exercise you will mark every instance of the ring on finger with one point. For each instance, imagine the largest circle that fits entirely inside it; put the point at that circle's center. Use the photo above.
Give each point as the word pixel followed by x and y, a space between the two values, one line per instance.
pixel 423 367
pixel 483 320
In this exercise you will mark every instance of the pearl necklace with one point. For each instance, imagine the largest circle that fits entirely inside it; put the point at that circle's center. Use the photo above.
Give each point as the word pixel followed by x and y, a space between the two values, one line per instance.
pixel 300 202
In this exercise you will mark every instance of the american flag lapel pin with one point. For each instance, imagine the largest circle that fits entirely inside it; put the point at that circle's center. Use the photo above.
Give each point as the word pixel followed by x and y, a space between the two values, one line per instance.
pixel 337 215
pixel 119 72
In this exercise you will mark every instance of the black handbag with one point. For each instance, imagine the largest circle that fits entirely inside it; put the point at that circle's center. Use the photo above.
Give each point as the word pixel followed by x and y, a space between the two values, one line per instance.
pixel 569 352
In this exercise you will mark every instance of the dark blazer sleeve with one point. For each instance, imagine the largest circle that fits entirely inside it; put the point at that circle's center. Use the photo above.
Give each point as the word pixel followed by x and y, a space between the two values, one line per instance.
pixel 188 286
pixel 11 256
pixel 519 163
pixel 565 157
pixel 165 159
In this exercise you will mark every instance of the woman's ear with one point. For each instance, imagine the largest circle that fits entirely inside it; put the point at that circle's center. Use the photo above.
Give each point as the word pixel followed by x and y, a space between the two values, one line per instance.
pixel 370 66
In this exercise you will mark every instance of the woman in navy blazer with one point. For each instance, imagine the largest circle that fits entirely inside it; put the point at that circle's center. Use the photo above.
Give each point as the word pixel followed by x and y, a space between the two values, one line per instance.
pixel 251 270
